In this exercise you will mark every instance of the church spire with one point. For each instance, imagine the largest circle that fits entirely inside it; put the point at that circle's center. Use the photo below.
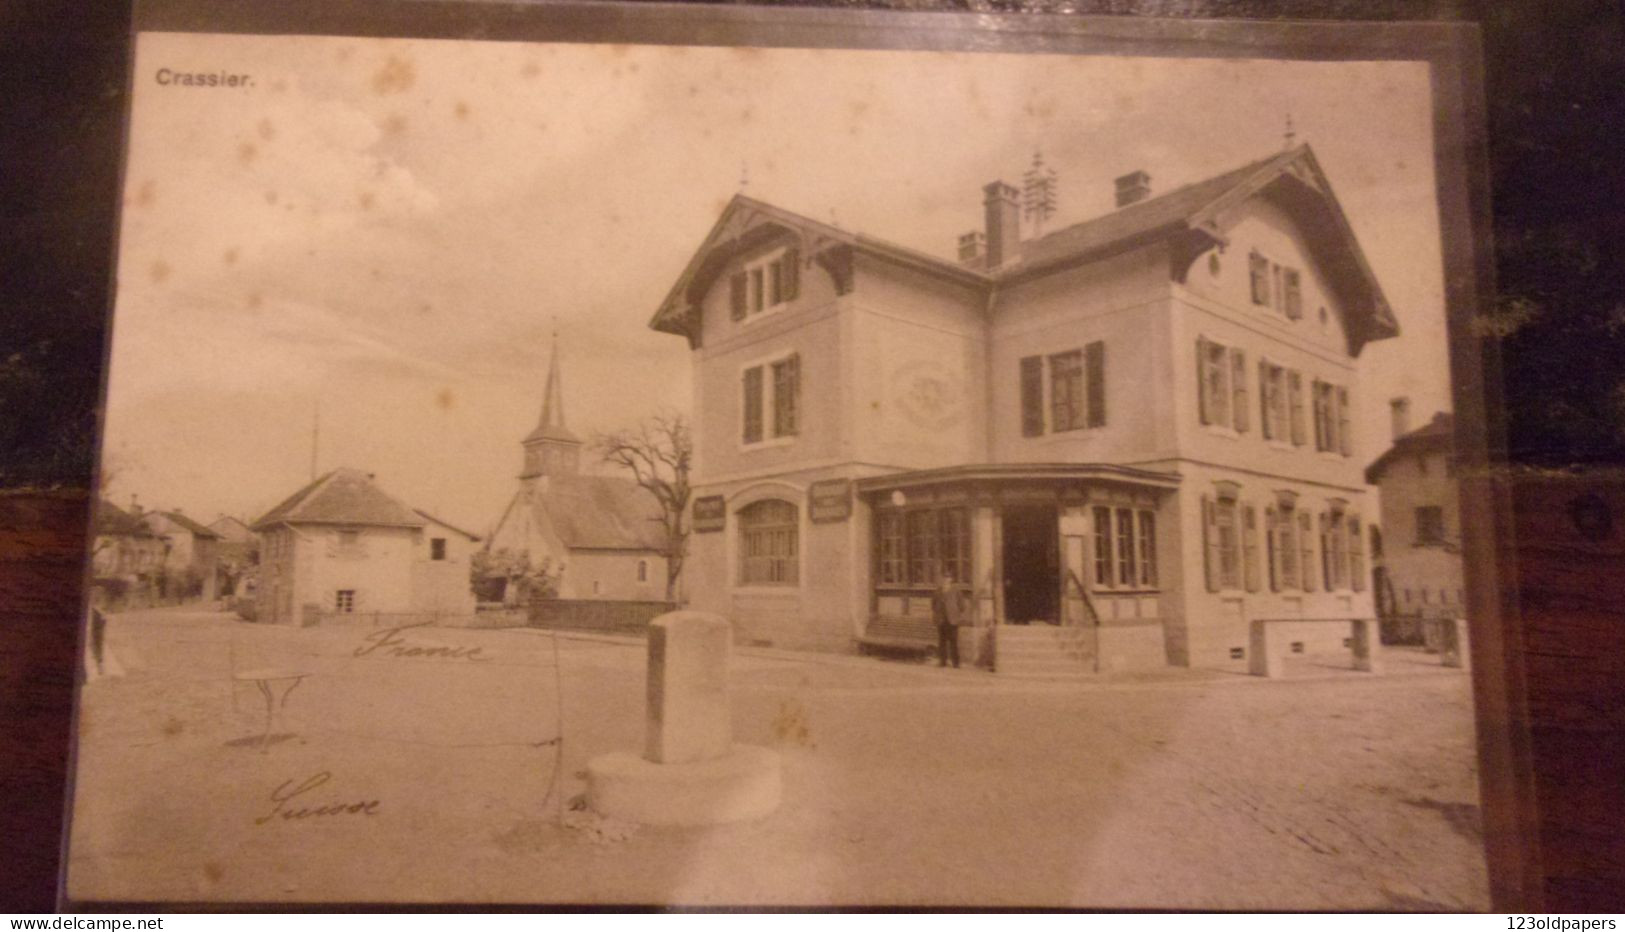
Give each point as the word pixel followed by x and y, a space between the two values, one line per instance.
pixel 551 449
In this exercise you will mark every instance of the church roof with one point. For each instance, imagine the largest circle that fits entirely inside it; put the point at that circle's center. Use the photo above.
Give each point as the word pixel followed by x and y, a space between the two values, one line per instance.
pixel 343 496
pixel 600 513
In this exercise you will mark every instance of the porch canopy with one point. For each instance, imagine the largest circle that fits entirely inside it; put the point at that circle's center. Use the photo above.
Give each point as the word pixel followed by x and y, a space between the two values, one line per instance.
pixel 1013 535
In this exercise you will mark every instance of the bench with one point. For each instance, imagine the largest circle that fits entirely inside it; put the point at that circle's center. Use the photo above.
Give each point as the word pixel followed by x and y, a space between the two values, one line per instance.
pixel 899 635
pixel 1265 657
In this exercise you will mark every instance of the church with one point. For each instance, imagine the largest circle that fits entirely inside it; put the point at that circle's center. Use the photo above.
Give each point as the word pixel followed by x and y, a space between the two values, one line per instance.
pixel 1131 435
pixel 600 537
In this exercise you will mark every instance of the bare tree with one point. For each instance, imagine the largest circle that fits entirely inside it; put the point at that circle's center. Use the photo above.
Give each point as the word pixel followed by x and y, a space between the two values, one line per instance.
pixel 659 453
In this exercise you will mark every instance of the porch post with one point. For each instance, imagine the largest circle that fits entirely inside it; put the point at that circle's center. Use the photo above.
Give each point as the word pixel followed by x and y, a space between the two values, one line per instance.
pixel 987 565
pixel 1074 529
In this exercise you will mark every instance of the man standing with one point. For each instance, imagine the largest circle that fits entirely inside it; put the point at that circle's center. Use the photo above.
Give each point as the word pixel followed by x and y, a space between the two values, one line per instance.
pixel 948 611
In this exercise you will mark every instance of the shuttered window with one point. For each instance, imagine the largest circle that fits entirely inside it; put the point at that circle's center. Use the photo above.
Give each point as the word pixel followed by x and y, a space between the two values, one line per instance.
pixel 1272 392
pixel 764 284
pixel 1356 555
pixel 1032 396
pixel 1213 379
pixel 1210 544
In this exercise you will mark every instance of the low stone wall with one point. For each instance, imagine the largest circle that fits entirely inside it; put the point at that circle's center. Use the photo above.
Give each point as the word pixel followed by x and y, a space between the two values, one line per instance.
pixel 505 619
pixel 602 616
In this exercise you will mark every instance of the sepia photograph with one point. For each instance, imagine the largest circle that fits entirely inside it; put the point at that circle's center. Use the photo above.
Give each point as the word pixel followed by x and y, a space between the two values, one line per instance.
pixel 746 474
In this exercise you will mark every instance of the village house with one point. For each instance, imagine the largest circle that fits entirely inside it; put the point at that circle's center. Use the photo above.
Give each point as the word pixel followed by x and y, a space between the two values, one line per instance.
pixel 1420 572
pixel 191 555
pixel 238 550
pixel 1136 428
pixel 601 536
pixel 341 545
pixel 126 556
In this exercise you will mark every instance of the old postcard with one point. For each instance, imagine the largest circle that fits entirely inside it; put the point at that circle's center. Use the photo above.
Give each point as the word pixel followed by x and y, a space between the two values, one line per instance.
pixel 841 466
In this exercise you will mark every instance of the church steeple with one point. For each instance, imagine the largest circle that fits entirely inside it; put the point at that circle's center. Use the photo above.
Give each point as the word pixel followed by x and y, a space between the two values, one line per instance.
pixel 550 449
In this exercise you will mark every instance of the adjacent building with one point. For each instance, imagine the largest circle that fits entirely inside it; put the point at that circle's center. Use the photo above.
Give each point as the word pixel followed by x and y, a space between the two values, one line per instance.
pixel 1138 427
pixel 342 545
pixel 1421 570
pixel 601 537
pixel 191 555
pixel 126 556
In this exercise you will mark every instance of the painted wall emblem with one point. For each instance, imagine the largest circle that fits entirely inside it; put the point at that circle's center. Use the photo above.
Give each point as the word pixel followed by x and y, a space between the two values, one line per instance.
pixel 928 393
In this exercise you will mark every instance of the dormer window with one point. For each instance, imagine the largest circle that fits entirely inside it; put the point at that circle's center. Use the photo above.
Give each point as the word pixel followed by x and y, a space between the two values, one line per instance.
pixel 764 284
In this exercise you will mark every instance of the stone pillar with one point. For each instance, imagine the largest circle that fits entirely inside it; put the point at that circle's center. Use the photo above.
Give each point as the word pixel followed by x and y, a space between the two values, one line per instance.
pixel 688 688
pixel 1367 649
pixel 985 571
pixel 691 771
pixel 1263 655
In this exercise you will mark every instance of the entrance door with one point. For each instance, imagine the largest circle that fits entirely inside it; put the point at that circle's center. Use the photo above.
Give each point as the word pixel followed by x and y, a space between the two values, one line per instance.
pixel 1032 565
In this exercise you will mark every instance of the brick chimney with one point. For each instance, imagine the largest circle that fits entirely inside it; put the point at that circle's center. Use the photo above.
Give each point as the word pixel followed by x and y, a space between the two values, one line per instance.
pixel 1132 187
pixel 1003 223
pixel 973 249
pixel 1401 410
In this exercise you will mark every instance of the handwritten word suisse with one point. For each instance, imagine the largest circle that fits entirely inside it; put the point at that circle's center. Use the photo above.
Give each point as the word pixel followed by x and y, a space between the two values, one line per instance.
pixel 282 799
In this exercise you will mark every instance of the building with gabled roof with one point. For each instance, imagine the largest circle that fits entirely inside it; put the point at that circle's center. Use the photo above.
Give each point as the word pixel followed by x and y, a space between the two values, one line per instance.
pixel 604 534
pixel 191 555
pixel 126 550
pixel 1136 428
pixel 1421 568
pixel 342 545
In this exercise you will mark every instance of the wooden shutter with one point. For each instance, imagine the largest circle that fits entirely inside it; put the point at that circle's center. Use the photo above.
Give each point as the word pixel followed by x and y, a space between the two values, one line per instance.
pixel 1238 387
pixel 1265 426
pixel 1345 442
pixel 1032 396
pixel 1095 365
pixel 736 296
pixel 1210 545
pixel 1294 294
pixel 752 393
pixel 1249 547
pixel 1295 402
pixel 1202 403
pixel 1306 551
pixel 1258 275
pixel 1272 547
pixel 791 276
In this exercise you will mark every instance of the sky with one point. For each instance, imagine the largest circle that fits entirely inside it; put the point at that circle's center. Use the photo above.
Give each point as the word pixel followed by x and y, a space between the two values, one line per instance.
pixel 367 246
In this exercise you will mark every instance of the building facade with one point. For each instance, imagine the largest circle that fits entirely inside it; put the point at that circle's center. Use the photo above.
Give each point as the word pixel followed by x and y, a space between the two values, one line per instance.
pixel 1137 427
pixel 1421 571
pixel 598 537
pixel 191 555
pixel 341 545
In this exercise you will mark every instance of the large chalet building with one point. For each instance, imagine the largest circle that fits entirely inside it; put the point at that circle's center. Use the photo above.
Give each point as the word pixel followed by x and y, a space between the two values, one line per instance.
pixel 1136 428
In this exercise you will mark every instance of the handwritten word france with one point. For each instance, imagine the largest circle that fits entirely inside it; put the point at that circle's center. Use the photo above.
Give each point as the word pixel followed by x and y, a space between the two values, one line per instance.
pixel 390 642
pixel 284 806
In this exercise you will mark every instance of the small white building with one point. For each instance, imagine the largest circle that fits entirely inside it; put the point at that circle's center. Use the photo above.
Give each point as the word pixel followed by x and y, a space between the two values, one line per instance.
pixel 1420 571
pixel 343 545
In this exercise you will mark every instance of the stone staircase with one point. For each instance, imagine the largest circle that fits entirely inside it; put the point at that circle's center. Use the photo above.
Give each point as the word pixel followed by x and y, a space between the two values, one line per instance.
pixel 1043 650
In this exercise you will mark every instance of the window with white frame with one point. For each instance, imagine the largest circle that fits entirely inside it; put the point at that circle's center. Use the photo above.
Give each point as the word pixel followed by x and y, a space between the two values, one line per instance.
pixel 1125 542
pixel 1331 403
pixel 1221 380
pixel 764 284
pixel 770 400
pixel 768 544
pixel 1221 538
pixel 344 601
pixel 1272 394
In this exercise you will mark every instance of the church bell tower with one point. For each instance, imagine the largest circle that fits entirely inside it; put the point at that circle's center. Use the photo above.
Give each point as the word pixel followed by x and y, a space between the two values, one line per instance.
pixel 551 449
